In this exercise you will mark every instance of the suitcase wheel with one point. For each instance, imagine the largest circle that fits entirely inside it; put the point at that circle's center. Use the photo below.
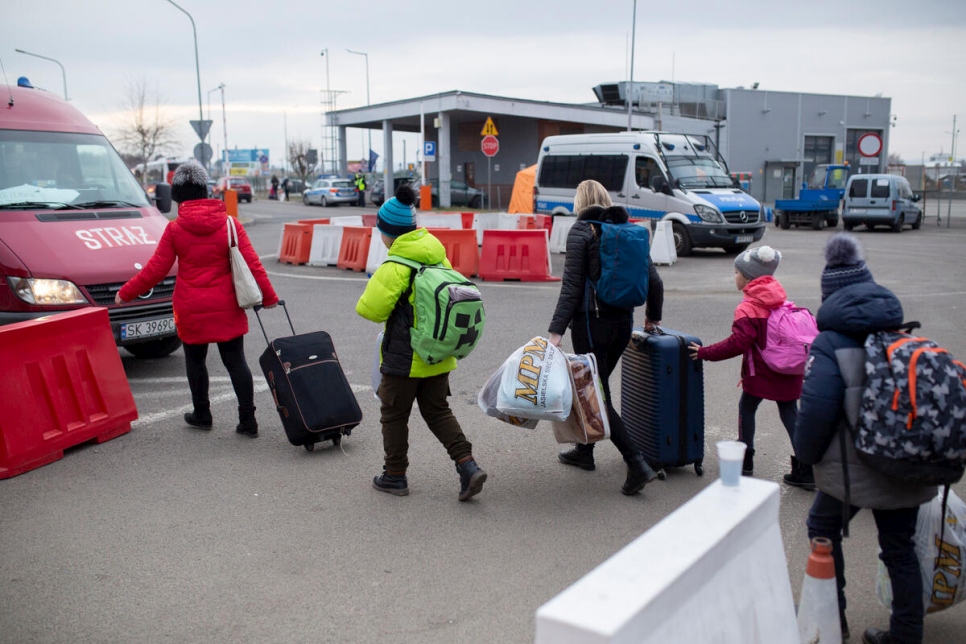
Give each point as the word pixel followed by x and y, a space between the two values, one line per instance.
pixel 337 439
pixel 309 447
pixel 698 469
pixel 661 474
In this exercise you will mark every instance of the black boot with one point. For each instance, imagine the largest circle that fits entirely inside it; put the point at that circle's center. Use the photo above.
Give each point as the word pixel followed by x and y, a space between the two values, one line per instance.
pixel 639 474
pixel 392 483
pixel 748 467
pixel 247 425
pixel 581 456
pixel 471 478
pixel 800 476
pixel 200 417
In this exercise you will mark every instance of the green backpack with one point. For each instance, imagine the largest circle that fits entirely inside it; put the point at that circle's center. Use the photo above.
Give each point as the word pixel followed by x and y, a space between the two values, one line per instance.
pixel 449 311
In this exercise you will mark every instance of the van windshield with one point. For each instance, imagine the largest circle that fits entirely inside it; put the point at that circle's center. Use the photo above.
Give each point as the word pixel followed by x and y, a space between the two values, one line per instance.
pixel 699 172
pixel 64 170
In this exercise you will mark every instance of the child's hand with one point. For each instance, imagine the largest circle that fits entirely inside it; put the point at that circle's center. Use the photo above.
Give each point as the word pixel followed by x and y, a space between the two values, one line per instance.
pixel 693 349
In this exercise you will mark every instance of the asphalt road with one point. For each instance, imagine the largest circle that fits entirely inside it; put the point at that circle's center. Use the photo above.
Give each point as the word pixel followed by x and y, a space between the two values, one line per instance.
pixel 171 534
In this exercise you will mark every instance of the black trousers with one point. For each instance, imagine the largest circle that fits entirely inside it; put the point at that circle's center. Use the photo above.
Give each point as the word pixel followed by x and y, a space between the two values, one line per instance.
pixel 606 336
pixel 233 357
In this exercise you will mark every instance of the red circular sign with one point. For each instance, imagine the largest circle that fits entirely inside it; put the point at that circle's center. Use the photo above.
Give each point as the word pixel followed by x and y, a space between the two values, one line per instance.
pixel 490 145
pixel 870 145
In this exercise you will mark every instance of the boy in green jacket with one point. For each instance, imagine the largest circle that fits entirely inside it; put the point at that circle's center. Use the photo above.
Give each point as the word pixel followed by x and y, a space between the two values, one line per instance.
pixel 405 376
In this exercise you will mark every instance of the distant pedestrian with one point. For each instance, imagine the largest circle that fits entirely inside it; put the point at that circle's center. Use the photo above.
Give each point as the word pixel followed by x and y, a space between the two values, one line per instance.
pixel 361 188
pixel 273 193
pixel 286 187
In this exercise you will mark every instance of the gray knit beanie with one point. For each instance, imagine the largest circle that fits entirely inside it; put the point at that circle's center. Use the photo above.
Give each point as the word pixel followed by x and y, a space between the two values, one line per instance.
pixel 758 262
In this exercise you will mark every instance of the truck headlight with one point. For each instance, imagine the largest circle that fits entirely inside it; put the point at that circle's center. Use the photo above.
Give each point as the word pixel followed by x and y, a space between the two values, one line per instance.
pixel 46 291
pixel 709 214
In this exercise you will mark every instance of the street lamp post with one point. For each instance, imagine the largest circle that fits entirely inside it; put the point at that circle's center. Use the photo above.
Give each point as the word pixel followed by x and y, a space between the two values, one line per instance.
pixel 63 73
pixel 360 53
pixel 630 83
pixel 220 87
pixel 201 116
pixel 328 97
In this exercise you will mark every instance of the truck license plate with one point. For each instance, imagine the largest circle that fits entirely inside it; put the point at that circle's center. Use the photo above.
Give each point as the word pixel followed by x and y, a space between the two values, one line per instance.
pixel 744 239
pixel 147 329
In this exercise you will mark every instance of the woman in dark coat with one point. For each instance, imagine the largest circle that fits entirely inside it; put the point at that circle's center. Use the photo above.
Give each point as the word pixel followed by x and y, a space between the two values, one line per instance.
pixel 603 330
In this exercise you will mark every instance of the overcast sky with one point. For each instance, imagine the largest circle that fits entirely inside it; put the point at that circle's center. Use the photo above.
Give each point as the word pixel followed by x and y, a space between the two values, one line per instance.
pixel 268 56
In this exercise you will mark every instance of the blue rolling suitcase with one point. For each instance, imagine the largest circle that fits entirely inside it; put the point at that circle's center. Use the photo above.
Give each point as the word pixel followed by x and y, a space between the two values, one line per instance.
pixel 662 398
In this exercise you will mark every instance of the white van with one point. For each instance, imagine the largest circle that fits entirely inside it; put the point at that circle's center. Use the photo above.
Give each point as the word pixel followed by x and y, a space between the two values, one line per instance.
pixel 881 200
pixel 656 176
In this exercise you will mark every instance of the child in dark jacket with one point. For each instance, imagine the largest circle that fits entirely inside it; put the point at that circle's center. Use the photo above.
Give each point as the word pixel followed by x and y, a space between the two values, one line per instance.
pixel 754 276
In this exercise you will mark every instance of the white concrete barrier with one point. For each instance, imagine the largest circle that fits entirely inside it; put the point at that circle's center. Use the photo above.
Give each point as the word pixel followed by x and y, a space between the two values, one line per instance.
pixel 326 242
pixel 347 220
pixel 713 571
pixel 663 251
pixel 377 254
pixel 493 221
pixel 558 235
pixel 440 220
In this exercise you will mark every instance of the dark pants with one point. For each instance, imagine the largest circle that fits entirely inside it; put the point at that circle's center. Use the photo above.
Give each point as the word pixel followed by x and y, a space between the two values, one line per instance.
pixel 362 197
pixel 609 334
pixel 748 406
pixel 397 394
pixel 896 529
pixel 233 357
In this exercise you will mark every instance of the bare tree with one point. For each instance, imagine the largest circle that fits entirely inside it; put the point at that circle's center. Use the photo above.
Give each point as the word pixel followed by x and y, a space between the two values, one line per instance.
pixel 895 159
pixel 146 131
pixel 298 158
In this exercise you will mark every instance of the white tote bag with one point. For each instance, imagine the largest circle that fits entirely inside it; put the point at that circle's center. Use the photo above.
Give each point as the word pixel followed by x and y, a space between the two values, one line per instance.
pixel 247 292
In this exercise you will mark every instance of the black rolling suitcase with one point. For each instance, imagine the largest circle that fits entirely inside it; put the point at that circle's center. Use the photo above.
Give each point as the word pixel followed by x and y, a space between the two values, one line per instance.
pixel 662 398
pixel 312 395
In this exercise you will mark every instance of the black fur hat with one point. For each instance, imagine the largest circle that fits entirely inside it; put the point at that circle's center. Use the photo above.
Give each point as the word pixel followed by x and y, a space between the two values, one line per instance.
pixel 190 181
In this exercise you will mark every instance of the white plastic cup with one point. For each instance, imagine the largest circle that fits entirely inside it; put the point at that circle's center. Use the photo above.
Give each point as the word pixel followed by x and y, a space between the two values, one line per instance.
pixel 731 456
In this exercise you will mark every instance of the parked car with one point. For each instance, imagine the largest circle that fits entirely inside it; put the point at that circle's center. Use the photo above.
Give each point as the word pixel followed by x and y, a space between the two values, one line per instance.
pixel 295 185
pixel 326 192
pixel 460 194
pixel 881 200
pixel 239 184
pixel 377 193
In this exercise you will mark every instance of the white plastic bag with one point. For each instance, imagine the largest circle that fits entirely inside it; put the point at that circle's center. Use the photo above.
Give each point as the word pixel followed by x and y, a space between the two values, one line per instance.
pixel 487 401
pixel 942 580
pixel 532 384
pixel 376 378
pixel 588 422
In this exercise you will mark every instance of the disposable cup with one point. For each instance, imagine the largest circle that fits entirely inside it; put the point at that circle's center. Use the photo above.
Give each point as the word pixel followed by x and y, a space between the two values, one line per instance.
pixel 731 455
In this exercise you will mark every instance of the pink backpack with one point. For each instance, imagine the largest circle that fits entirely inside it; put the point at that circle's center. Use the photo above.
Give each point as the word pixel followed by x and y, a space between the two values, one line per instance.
pixel 789 336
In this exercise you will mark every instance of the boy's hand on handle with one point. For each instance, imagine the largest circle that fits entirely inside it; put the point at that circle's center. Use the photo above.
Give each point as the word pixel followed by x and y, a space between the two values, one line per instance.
pixel 693 349
pixel 555 339
pixel 117 298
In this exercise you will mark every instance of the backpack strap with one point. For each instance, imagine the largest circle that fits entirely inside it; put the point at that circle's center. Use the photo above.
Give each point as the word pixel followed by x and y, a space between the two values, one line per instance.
pixel 847 501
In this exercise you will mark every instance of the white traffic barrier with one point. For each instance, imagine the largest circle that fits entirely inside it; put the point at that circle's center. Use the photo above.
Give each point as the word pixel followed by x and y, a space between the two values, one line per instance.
pixel 377 254
pixel 713 571
pixel 347 220
pixel 452 220
pixel 558 235
pixel 493 221
pixel 662 245
pixel 326 242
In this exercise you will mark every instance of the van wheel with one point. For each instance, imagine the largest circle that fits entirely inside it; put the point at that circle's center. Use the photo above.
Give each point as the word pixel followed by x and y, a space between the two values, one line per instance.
pixel 784 220
pixel 918 223
pixel 154 348
pixel 682 240
pixel 897 224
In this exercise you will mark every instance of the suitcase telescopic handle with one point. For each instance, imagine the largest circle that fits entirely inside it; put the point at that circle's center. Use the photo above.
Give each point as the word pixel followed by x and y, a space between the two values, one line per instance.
pixel 258 307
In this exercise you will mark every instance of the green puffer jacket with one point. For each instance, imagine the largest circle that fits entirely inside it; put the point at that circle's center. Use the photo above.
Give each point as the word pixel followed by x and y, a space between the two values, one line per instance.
pixel 381 303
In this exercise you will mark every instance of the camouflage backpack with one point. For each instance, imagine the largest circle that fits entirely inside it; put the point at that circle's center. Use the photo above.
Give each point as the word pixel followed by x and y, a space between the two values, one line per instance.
pixel 912 420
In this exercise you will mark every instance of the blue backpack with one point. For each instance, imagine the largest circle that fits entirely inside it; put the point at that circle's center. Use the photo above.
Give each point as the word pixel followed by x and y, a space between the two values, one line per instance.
pixel 625 252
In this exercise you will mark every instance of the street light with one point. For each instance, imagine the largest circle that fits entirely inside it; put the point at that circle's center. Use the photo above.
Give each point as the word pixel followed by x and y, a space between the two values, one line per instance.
pixel 328 97
pixel 63 73
pixel 359 53
pixel 220 87
pixel 630 83
pixel 201 116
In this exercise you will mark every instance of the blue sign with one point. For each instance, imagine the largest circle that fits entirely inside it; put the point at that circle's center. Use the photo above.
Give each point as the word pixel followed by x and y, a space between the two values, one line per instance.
pixel 248 156
pixel 429 150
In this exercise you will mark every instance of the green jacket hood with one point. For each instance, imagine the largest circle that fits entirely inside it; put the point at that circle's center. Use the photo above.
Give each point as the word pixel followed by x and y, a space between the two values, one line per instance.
pixel 420 246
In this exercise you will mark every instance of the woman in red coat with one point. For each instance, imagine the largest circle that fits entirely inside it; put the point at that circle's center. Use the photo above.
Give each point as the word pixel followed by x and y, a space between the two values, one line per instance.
pixel 205 309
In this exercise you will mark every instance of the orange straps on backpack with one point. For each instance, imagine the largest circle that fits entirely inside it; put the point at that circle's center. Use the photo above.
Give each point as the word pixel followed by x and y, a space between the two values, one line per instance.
pixel 912 375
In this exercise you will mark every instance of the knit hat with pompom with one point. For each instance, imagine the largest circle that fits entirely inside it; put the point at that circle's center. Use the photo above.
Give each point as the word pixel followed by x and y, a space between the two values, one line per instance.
pixel 844 264
pixel 758 262
pixel 398 215
pixel 190 181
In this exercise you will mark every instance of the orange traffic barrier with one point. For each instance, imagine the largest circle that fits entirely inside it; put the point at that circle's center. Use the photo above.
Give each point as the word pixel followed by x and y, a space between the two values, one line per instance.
pixel 535 222
pixel 296 244
pixel 231 202
pixel 426 197
pixel 461 249
pixel 63 384
pixel 313 222
pixel 369 220
pixel 522 255
pixel 354 250
pixel 468 219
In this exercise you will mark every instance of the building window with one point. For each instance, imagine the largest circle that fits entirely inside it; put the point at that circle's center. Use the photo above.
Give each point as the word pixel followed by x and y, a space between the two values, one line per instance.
pixel 818 149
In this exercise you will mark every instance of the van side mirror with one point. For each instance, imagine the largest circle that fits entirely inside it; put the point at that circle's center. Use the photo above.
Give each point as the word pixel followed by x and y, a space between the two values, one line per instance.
pixel 162 197
pixel 916 197
pixel 660 184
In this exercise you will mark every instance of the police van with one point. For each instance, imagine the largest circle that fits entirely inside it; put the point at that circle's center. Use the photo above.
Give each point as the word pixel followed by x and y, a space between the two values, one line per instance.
pixel 657 176
pixel 75 225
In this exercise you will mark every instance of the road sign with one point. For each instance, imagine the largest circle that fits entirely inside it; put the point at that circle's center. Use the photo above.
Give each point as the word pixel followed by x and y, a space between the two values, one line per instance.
pixel 429 151
pixel 490 146
pixel 489 129
pixel 870 144
pixel 203 153
pixel 201 128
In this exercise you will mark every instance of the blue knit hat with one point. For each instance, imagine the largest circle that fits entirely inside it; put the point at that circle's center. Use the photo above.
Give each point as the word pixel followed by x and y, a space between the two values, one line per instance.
pixel 398 216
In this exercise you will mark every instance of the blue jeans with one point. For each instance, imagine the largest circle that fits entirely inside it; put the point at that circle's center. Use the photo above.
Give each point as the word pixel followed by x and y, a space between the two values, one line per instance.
pixel 896 529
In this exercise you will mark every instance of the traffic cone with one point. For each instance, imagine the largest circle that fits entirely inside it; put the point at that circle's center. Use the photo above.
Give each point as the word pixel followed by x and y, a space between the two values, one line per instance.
pixel 818 607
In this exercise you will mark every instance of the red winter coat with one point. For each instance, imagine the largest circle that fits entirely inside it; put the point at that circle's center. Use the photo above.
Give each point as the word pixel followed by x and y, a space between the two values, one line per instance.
pixel 762 295
pixel 205 309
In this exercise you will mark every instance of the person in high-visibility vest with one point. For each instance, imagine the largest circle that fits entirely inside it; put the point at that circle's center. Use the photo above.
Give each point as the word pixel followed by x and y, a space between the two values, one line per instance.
pixel 361 187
